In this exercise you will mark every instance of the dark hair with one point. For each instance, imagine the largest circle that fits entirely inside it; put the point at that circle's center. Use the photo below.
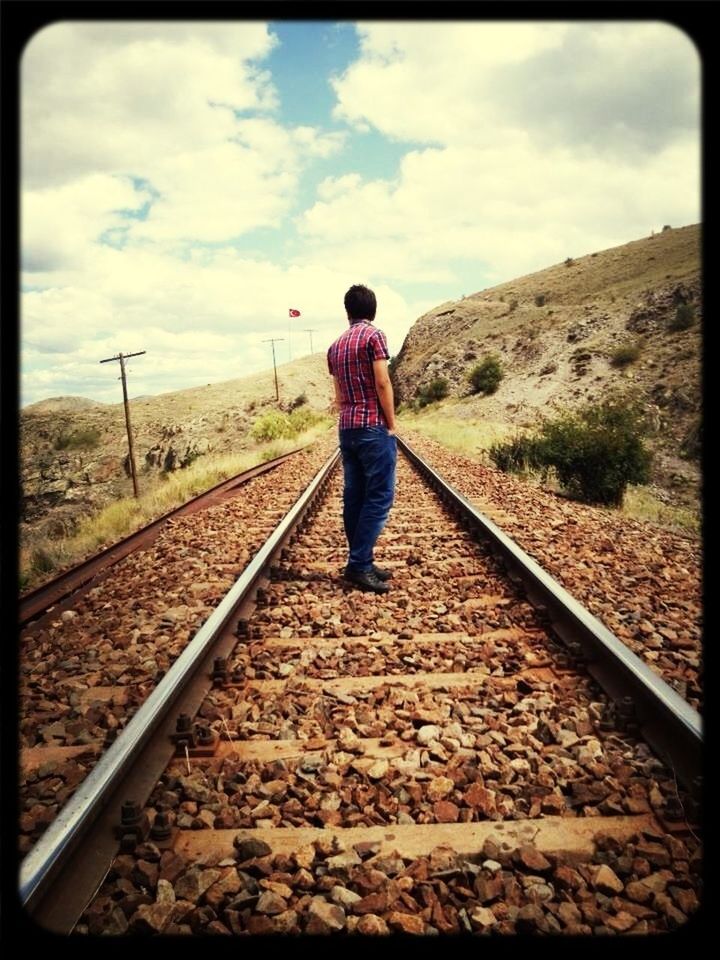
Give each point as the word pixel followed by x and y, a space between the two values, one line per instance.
pixel 360 303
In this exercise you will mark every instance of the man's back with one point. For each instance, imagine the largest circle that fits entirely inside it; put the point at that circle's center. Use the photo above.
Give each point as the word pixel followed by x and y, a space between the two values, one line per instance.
pixel 350 360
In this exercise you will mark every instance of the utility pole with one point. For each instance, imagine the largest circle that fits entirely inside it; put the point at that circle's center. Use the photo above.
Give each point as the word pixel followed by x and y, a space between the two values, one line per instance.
pixel 273 342
pixel 122 358
pixel 311 332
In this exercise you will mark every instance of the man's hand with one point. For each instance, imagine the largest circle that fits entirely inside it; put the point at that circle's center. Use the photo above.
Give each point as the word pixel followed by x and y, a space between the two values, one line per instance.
pixel 384 390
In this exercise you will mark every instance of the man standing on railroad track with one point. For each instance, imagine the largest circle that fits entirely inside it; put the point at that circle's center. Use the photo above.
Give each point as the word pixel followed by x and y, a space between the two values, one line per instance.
pixel 357 361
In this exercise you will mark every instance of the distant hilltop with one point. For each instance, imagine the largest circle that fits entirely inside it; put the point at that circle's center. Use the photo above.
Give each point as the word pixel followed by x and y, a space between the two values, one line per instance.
pixel 62 405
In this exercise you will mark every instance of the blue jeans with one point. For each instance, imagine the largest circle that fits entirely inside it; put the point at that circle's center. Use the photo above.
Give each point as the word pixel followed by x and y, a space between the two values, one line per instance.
pixel 368 455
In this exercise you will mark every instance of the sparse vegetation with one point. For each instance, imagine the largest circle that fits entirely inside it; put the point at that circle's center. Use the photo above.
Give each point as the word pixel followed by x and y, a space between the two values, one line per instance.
pixel 487 375
pixel 684 318
pixel 515 455
pixel 86 438
pixel 299 401
pixel 595 452
pixel 276 425
pixel 513 306
pixel 569 262
pixel 436 390
pixel 540 299
pixel 626 353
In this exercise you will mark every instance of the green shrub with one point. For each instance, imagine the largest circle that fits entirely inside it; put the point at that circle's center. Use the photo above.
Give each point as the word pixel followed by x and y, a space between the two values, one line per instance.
pixel 437 389
pixel 486 376
pixel 302 419
pixel 276 425
pixel 272 425
pixel 515 455
pixel 596 452
pixel 684 318
pixel 625 354
pixel 87 438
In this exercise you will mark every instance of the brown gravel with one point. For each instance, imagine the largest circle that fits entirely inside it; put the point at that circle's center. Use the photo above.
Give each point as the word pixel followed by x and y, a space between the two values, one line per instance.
pixel 641 580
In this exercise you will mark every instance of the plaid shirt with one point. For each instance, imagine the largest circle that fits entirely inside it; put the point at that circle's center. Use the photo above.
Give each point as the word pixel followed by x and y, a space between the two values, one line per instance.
pixel 350 359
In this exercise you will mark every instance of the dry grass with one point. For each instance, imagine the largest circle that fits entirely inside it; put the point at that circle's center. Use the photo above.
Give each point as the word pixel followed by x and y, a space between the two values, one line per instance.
pixel 467 436
pixel 123 517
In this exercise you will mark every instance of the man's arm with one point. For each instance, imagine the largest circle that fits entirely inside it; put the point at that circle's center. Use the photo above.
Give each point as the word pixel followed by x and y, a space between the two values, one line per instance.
pixel 384 389
pixel 338 398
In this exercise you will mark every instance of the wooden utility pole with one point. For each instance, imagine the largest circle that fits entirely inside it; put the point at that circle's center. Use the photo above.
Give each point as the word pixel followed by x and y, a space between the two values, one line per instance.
pixel 273 342
pixel 311 332
pixel 122 358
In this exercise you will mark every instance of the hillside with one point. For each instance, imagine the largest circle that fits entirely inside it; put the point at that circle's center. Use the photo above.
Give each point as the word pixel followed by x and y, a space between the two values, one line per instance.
pixel 555 332
pixel 73 452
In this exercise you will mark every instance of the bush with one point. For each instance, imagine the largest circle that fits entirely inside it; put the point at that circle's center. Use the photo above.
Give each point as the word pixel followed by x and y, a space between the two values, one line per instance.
pixel 540 300
pixel 271 426
pixel 514 456
pixel 437 389
pixel 596 452
pixel 275 425
pixel 86 438
pixel 684 318
pixel 486 376
pixel 626 353
pixel 299 401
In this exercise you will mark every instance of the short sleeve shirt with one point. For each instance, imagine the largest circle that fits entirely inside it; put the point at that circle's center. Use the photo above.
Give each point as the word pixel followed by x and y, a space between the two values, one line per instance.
pixel 350 359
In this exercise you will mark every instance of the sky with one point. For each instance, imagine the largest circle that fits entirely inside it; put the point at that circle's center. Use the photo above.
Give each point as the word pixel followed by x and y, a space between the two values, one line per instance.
pixel 185 184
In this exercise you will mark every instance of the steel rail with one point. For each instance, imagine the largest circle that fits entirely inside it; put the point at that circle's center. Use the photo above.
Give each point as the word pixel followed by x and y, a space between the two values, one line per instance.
pixel 63 837
pixel 668 723
pixel 36 602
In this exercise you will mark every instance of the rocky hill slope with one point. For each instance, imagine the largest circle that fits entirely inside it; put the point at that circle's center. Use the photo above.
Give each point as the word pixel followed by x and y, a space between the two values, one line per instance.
pixel 556 332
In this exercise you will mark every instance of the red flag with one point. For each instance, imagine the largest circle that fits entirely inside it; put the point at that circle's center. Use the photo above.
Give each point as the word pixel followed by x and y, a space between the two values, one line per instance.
pixel 294 313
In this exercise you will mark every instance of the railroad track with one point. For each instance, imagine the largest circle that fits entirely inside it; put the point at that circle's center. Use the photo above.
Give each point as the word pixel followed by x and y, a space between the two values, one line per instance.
pixel 37 602
pixel 439 759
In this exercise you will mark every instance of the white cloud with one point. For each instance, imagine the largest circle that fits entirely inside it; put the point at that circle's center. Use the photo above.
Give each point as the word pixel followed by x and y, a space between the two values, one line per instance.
pixel 549 140
pixel 116 96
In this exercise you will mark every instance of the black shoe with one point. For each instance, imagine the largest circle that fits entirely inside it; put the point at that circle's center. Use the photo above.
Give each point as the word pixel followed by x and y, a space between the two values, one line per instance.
pixel 367 581
pixel 382 574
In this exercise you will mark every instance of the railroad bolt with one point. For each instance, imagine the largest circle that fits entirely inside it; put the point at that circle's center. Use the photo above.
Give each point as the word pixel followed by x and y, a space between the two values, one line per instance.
pixel 242 628
pixel 219 674
pixel 625 714
pixel 205 735
pixel 261 597
pixel 134 826
pixel 162 827
pixel 184 734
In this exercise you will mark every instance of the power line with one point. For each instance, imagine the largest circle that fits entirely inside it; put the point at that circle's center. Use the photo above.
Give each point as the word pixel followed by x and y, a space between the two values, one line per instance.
pixel 122 358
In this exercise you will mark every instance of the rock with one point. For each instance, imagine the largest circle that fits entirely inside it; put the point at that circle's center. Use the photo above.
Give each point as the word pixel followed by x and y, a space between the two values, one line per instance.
pixel 427 733
pixel 195 882
pixel 607 881
pixel 285 922
pixel 532 859
pixel 446 812
pixel 151 918
pixel 406 922
pixel 165 892
pixel 639 892
pixel 530 918
pixel 343 863
pixel 330 915
pixel 271 903
pixel 372 925
pixel 343 897
pixel 480 798
pixel 248 848
pixel 378 769
pixel 440 787
pixel 482 917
